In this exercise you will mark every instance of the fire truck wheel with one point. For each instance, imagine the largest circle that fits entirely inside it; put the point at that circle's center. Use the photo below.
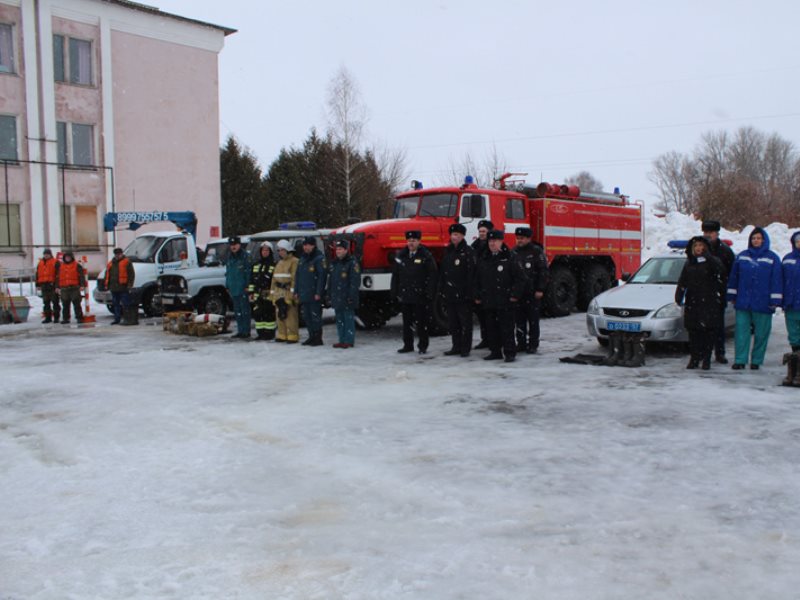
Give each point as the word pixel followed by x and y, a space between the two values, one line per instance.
pixel 368 317
pixel 595 280
pixel 562 292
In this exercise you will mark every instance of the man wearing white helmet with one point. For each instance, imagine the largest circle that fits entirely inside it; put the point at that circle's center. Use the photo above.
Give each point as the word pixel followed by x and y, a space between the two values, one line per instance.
pixel 282 294
pixel 259 289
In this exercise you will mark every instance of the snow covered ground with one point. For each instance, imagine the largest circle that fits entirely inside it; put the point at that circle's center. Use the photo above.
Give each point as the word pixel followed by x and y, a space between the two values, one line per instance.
pixel 138 464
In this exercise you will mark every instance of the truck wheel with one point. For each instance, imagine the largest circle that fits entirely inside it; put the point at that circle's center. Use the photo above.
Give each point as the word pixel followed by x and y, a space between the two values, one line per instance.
pixel 150 306
pixel 370 317
pixel 595 280
pixel 562 292
pixel 213 303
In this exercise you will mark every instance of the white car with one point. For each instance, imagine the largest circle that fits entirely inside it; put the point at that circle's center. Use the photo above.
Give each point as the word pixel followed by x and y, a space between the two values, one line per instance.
pixel 645 303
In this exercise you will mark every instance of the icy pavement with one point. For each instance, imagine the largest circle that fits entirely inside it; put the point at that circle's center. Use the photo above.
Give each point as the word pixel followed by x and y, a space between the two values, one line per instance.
pixel 138 464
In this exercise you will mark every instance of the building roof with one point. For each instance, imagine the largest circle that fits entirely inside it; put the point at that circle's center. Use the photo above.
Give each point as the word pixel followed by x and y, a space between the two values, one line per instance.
pixel 158 12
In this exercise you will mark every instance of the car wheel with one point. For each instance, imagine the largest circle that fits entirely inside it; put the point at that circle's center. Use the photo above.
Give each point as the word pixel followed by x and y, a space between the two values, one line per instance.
pixel 562 292
pixel 213 303
pixel 150 305
pixel 110 308
pixel 602 341
pixel 594 281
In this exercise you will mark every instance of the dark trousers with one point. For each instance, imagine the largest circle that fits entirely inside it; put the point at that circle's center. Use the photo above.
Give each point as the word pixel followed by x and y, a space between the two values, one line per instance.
pixel 701 344
pixel 71 296
pixel 312 315
pixel 500 328
pixel 481 313
pixel 120 301
pixel 264 316
pixel 719 342
pixel 415 316
pixel 459 322
pixel 241 309
pixel 526 316
pixel 50 301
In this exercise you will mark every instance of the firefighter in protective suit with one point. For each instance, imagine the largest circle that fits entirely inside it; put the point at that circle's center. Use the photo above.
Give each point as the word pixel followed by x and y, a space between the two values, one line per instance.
pixel 282 294
pixel 259 293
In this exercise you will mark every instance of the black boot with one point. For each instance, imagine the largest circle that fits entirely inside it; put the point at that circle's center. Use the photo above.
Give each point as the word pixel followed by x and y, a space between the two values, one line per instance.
pixel 452 352
pixel 482 345
pixel 405 349
pixel 316 339
pixel 614 350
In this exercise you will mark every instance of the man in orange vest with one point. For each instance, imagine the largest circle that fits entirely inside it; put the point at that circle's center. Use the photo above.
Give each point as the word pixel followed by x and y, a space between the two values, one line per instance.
pixel 119 281
pixel 46 274
pixel 70 284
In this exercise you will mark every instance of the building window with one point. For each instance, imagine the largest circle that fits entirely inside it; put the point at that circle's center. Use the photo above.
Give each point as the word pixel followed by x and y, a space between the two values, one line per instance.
pixel 10 226
pixel 75 144
pixel 80 228
pixel 8 137
pixel 76 62
pixel 6 48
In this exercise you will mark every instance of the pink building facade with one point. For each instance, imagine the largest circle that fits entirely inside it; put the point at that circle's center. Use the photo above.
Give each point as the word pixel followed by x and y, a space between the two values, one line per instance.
pixel 104 106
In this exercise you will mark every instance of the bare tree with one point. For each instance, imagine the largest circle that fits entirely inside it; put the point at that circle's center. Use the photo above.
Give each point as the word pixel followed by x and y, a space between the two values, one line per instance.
pixel 485 172
pixel 585 181
pixel 347 119
pixel 393 171
pixel 672 174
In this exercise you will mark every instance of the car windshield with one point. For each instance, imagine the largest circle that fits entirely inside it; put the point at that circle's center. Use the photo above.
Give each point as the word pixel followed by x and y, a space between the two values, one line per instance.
pixel 405 207
pixel 663 270
pixel 143 249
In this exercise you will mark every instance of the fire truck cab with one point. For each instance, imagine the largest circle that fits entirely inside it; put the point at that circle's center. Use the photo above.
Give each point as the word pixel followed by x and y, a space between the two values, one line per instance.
pixel 590 239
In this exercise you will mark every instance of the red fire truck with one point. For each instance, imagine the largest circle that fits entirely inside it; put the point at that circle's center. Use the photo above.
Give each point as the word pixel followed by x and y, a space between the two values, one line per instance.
pixel 590 238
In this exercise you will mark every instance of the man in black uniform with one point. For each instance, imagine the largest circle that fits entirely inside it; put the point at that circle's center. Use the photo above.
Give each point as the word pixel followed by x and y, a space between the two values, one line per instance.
pixel 533 261
pixel 480 246
pixel 414 287
pixel 725 255
pixel 456 289
pixel 499 285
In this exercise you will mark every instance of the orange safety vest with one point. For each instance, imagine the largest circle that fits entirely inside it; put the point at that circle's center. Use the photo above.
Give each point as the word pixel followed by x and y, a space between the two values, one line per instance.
pixel 46 271
pixel 122 273
pixel 68 275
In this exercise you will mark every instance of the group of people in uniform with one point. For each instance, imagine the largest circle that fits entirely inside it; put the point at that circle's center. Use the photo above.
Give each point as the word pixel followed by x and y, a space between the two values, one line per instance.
pixel 503 286
pixel 277 292
pixel 62 285
pixel 756 282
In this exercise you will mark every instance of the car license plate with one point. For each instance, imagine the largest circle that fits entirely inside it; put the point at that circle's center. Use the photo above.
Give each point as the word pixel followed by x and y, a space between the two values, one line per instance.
pixel 634 326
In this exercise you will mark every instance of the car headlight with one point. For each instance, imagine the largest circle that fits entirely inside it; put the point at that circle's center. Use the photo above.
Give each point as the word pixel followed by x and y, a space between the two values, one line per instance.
pixel 668 311
pixel 594 307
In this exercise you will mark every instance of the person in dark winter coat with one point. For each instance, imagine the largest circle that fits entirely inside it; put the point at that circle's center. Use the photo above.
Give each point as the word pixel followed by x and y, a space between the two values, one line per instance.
pixel 701 291
pixel 258 293
pixel 755 286
pixel 46 278
pixel 414 288
pixel 70 285
pixel 791 292
pixel 480 246
pixel 499 285
pixel 456 282
pixel 344 280
pixel 725 255
pixel 310 288
pixel 237 278
pixel 532 259
pixel 120 278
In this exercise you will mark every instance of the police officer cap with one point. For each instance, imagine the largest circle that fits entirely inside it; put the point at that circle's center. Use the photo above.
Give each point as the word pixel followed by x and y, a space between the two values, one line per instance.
pixel 234 239
pixel 486 223
pixel 458 228
pixel 343 244
pixel 495 234
pixel 523 231
pixel 118 251
pixel 711 226
pixel 309 241
pixel 414 234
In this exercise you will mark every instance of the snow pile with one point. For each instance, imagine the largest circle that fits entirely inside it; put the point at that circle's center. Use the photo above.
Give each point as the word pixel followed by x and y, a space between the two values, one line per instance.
pixel 660 229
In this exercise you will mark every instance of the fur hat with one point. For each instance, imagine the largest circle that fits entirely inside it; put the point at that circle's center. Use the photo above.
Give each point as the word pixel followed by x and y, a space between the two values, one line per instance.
pixel 496 234
pixel 523 232
pixel 414 234
pixel 486 223
pixel 457 228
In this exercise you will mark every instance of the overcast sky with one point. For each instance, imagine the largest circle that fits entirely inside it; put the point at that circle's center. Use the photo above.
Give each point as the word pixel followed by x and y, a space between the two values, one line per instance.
pixel 555 87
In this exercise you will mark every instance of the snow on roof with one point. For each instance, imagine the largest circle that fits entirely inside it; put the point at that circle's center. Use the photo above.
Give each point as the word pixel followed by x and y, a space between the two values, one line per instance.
pixel 158 12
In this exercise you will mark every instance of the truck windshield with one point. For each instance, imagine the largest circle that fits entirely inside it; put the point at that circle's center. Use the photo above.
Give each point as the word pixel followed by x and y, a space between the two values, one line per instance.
pixel 143 249
pixel 217 252
pixel 405 207
pixel 666 270
pixel 438 205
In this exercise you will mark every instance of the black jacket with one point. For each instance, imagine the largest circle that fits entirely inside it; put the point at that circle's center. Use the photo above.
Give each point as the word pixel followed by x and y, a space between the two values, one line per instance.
pixel 499 278
pixel 533 261
pixel 724 254
pixel 481 247
pixel 414 279
pixel 701 289
pixel 457 273
pixel 261 275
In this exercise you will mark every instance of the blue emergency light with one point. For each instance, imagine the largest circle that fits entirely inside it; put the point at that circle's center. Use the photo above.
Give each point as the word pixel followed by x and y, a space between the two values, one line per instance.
pixel 298 225
pixel 678 244
pixel 469 180
pixel 416 185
